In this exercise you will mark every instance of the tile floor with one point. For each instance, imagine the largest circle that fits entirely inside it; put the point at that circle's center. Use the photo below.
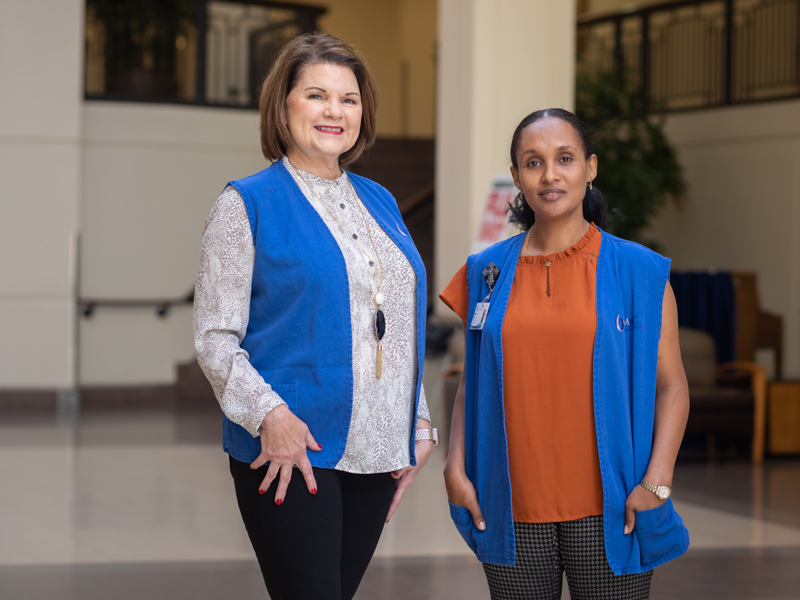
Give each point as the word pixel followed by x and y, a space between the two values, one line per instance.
pixel 131 505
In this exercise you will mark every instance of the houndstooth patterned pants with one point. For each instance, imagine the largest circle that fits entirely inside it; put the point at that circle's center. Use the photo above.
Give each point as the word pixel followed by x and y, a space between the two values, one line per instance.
pixel 545 550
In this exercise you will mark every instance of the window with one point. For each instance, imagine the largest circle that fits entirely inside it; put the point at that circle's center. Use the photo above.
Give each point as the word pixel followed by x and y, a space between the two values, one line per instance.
pixel 187 51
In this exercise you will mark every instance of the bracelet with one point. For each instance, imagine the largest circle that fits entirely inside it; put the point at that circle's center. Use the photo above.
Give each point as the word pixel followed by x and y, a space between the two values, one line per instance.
pixel 428 434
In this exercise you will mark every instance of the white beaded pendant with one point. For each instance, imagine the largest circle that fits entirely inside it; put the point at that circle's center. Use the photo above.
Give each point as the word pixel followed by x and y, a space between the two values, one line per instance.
pixel 378 298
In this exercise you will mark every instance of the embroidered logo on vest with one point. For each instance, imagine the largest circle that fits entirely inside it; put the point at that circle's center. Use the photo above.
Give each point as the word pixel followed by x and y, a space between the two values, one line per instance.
pixel 629 323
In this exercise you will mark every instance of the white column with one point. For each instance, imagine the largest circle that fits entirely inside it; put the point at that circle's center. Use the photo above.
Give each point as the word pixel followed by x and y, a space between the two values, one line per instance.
pixel 498 61
pixel 40 98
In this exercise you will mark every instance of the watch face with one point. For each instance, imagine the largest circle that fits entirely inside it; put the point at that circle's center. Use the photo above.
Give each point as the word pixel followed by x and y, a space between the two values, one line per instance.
pixel 663 492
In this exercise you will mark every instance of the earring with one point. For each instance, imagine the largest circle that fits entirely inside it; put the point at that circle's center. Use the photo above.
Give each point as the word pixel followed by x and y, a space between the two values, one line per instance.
pixel 590 185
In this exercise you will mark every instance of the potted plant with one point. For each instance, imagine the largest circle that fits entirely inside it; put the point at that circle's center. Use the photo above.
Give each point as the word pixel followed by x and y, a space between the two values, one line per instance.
pixel 639 172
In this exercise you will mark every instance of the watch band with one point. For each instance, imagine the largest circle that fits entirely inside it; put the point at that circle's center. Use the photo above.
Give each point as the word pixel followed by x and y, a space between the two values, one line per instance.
pixel 662 491
pixel 429 434
pixel 648 486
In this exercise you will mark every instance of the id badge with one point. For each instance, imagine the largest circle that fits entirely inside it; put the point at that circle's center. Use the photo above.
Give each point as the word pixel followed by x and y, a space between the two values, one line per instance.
pixel 479 318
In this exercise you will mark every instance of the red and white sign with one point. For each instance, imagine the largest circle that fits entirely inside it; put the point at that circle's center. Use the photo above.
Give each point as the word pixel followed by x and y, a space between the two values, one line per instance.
pixel 493 226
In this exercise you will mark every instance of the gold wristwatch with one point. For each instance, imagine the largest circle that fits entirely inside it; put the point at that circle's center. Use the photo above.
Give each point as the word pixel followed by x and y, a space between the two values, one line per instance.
pixel 661 491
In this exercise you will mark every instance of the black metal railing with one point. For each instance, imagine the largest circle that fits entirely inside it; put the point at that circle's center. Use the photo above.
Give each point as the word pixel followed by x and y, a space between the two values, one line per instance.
pixel 187 51
pixel 88 306
pixel 699 53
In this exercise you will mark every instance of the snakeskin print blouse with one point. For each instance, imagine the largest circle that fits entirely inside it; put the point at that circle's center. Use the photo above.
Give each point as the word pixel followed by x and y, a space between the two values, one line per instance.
pixel 382 416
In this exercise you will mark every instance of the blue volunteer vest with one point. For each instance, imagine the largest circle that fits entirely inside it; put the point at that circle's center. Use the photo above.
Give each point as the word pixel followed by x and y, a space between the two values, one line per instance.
pixel 630 289
pixel 299 337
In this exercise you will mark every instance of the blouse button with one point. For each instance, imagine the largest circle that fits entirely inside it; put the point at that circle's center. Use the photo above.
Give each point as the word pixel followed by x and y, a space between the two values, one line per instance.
pixel 547 263
pixel 355 237
pixel 341 206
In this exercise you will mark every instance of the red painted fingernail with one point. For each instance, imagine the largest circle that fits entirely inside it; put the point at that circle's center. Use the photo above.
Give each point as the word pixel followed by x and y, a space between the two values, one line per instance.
pixel 252 468
pixel 320 445
pixel 262 492
pixel 314 491
pixel 278 501
pixel 394 473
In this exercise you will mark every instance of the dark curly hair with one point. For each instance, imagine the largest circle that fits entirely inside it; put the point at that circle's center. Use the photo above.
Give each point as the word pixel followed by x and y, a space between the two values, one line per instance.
pixel 595 206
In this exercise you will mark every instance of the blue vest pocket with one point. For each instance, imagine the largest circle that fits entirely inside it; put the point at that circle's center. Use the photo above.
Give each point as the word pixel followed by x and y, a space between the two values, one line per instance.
pixel 465 525
pixel 288 393
pixel 659 533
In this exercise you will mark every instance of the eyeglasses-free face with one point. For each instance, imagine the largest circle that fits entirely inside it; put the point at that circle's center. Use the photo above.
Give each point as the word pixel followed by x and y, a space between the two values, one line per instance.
pixel 323 113
pixel 553 169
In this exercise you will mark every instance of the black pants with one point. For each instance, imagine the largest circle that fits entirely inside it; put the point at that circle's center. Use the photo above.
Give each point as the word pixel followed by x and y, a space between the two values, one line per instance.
pixel 314 547
pixel 546 550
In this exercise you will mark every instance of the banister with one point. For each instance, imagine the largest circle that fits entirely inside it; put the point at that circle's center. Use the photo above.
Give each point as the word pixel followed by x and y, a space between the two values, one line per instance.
pixel 87 306
pixel 692 54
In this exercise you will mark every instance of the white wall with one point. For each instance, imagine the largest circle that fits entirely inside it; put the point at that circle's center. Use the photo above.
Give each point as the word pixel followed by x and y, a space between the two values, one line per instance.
pixel 40 123
pixel 743 207
pixel 498 61
pixel 151 174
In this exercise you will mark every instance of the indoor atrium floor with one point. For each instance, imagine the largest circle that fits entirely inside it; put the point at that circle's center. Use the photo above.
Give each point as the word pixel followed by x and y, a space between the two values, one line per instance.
pixel 139 505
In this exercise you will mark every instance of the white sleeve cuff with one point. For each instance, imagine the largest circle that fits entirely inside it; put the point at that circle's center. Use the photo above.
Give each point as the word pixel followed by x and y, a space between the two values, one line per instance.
pixel 265 404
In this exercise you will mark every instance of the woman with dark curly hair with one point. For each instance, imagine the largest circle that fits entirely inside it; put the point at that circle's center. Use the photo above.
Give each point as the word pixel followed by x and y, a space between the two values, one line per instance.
pixel 309 323
pixel 573 402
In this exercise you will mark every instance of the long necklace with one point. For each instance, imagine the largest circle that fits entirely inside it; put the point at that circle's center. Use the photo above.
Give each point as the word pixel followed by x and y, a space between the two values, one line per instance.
pixel 377 298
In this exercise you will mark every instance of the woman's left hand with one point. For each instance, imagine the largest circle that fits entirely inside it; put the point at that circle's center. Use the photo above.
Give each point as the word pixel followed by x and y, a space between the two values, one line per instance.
pixel 406 475
pixel 639 500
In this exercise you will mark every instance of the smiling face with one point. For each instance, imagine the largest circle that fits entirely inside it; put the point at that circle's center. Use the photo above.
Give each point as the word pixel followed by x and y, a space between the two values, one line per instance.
pixel 323 113
pixel 552 169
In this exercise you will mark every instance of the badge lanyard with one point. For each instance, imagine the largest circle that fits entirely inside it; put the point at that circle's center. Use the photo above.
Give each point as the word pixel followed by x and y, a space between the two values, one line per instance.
pixel 490 273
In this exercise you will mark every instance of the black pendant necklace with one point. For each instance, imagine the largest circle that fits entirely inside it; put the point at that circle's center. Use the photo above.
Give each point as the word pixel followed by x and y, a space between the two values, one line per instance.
pixel 380 329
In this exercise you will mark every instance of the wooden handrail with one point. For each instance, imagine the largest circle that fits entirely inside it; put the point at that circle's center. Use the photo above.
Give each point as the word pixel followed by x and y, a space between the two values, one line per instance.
pixel 412 202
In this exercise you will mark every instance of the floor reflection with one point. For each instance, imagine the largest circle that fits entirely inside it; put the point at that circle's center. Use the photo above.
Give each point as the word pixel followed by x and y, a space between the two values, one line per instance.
pixel 139 504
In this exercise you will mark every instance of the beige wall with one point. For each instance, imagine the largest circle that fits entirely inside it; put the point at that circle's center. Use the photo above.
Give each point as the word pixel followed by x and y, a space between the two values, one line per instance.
pixel 40 123
pixel 743 206
pixel 151 174
pixel 499 61
pixel 418 34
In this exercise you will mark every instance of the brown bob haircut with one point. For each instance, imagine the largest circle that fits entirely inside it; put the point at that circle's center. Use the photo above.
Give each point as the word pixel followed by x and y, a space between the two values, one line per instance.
pixel 312 49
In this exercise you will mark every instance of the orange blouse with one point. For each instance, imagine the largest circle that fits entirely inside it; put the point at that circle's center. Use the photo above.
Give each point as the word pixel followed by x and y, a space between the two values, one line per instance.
pixel 548 348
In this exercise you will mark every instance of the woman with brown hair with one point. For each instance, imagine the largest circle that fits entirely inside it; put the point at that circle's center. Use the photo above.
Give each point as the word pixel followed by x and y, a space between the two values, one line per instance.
pixel 309 323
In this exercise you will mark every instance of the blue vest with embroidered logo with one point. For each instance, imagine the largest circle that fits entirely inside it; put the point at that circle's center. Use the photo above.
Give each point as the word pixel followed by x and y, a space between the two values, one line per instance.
pixel 299 336
pixel 630 290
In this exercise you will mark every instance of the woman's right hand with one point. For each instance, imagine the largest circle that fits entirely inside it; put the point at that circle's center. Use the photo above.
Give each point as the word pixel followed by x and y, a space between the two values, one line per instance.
pixel 461 492
pixel 284 440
